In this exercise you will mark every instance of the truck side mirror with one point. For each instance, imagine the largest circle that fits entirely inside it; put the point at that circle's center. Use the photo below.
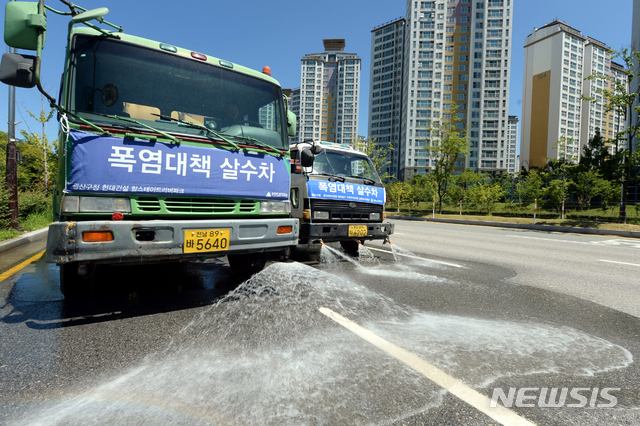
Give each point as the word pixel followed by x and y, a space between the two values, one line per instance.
pixel 316 149
pixel 306 158
pixel 291 124
pixel 22 23
pixel 17 70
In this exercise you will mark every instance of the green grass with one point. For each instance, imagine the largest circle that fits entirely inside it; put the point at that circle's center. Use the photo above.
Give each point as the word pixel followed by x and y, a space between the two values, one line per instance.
pixel 36 221
pixel 6 234
pixel 33 222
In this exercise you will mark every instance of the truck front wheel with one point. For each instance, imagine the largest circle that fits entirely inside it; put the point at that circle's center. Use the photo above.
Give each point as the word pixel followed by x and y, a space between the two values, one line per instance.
pixel 247 264
pixel 72 284
pixel 350 246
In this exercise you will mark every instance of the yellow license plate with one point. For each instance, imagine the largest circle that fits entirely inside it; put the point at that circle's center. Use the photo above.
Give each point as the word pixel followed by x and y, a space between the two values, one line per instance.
pixel 357 230
pixel 206 240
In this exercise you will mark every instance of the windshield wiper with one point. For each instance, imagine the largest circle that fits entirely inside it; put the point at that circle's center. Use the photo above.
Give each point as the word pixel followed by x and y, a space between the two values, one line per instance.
pixel 198 126
pixel 257 143
pixel 336 177
pixel 131 120
pixel 367 180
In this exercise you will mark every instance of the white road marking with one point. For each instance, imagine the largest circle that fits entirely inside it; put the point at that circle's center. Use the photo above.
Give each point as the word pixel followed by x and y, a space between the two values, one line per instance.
pixel 621 263
pixel 608 242
pixel 472 397
pixel 417 257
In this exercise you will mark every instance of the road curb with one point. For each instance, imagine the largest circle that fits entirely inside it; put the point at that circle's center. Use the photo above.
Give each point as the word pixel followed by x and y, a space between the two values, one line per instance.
pixel 544 228
pixel 23 239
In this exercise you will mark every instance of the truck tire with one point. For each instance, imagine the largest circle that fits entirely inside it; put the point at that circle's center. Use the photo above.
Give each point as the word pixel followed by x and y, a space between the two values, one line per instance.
pixel 245 265
pixel 72 285
pixel 350 246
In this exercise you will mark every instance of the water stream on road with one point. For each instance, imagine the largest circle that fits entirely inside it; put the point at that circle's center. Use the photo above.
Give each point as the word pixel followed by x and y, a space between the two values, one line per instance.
pixel 265 355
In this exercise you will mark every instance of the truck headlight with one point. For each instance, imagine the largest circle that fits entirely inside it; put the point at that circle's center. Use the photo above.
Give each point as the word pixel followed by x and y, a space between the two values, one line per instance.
pixel 75 204
pixel 374 216
pixel 320 215
pixel 267 207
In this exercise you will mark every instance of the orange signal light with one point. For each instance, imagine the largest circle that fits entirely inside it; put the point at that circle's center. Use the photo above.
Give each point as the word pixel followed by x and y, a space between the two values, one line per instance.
pixel 97 236
pixel 266 70
pixel 285 229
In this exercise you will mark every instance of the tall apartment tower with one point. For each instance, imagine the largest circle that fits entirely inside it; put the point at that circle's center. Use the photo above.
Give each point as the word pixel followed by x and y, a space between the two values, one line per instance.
pixel 386 101
pixel 512 144
pixel 635 47
pixel 558 58
pixel 454 51
pixel 329 95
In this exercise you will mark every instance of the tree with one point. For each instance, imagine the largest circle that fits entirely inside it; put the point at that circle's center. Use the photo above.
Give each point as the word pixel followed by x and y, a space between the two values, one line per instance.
pixel 486 195
pixel 377 154
pixel 446 143
pixel 398 192
pixel 422 188
pixel 587 185
pixel 557 190
pixel 529 187
pixel 618 99
pixel 38 154
pixel 467 180
pixel 595 156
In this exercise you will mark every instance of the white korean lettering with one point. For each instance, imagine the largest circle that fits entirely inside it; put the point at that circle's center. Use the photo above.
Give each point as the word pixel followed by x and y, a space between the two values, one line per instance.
pixel 201 164
pixel 181 164
pixel 229 171
pixel 250 171
pixel 147 157
pixel 122 157
pixel 266 171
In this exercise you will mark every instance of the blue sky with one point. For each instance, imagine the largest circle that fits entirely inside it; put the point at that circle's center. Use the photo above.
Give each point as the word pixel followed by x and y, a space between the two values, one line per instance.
pixel 280 32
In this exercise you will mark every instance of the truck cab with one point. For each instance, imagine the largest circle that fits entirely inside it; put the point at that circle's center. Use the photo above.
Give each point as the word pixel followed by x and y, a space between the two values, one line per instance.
pixel 337 195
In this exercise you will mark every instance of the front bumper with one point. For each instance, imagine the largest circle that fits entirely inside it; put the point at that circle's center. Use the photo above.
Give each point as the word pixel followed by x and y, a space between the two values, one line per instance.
pixel 160 240
pixel 329 232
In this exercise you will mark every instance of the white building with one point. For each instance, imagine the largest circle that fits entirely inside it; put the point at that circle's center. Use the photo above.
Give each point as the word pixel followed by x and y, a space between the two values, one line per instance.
pixel 454 51
pixel 329 95
pixel 558 58
pixel 512 163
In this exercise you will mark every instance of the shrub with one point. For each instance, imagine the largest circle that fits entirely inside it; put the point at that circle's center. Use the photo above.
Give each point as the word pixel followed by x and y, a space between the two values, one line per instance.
pixel 5 215
pixel 33 202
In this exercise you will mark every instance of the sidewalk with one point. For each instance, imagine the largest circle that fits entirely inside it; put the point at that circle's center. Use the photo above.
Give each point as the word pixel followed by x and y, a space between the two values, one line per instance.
pixel 40 234
pixel 543 228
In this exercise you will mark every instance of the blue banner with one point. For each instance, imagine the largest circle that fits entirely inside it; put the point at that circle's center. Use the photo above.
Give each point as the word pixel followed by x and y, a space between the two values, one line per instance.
pixel 105 164
pixel 346 191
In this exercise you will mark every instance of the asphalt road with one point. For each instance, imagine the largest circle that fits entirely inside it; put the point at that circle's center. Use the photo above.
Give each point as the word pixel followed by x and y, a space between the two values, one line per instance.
pixel 425 331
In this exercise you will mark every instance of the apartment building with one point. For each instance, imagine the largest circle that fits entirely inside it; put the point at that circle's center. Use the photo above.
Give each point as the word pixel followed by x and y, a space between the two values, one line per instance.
pixel 327 101
pixel 386 89
pixel 512 163
pixel 558 58
pixel 454 51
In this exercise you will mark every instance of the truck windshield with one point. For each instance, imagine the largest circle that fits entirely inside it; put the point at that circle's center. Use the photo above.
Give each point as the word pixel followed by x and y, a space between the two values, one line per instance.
pixel 346 164
pixel 164 91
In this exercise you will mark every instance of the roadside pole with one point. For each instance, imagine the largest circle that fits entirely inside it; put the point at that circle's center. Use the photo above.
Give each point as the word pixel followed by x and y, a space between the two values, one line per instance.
pixel 12 160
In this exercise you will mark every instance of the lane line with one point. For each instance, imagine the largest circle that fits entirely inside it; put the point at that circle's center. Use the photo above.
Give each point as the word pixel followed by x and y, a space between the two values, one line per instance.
pixel 608 242
pixel 472 397
pixel 620 263
pixel 19 267
pixel 416 257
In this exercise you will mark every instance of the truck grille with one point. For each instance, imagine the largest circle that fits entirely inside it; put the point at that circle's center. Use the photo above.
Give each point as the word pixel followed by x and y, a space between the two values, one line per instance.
pixel 195 206
pixel 340 211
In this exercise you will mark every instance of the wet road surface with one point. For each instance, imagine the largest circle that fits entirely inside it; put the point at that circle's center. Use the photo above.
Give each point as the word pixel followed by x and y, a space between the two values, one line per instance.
pixel 191 344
